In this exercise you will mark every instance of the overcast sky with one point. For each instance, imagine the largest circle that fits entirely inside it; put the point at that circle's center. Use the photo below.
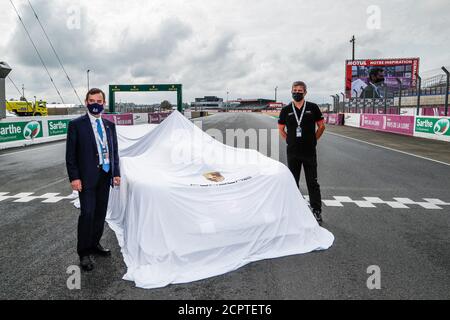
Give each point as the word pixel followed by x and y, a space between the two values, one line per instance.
pixel 246 47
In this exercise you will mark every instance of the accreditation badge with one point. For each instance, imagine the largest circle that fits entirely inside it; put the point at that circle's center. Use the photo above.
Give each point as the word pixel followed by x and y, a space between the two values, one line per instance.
pixel 105 155
pixel 299 132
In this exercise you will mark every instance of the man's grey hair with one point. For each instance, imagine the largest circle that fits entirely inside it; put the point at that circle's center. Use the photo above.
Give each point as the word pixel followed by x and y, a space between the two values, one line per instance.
pixel 299 83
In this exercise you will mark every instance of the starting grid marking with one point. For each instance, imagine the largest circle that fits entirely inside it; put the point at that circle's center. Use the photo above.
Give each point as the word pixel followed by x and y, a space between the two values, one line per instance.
pixel 337 201
pixel 25 197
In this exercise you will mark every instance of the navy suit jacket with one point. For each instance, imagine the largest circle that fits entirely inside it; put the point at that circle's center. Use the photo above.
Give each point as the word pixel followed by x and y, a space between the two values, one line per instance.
pixel 82 160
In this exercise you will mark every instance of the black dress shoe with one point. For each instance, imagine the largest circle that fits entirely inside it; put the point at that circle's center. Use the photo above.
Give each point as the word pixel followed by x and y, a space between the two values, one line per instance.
pixel 318 215
pixel 99 250
pixel 86 263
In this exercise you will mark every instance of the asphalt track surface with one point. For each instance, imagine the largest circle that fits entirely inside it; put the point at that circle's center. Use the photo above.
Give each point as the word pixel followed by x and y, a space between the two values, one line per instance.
pixel 409 243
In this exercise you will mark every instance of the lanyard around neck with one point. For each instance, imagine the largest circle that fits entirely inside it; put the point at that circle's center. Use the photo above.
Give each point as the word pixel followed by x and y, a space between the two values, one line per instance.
pixel 102 141
pixel 299 121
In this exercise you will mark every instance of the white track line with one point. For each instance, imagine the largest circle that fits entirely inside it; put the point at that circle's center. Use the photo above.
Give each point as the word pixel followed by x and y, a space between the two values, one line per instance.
pixel 387 148
pixel 42 147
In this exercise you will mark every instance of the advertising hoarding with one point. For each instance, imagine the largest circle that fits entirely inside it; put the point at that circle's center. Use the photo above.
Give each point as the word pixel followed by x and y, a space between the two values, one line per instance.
pixel 357 76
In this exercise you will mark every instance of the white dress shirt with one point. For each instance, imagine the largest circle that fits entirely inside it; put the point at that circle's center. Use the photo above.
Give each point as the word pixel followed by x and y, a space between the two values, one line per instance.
pixel 97 137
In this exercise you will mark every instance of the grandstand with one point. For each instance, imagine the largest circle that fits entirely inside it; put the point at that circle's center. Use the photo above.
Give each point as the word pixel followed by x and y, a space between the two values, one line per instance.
pixel 252 104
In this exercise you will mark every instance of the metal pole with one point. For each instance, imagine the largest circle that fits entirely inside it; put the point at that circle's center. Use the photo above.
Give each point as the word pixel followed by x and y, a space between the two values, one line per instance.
pixel 385 99
pixel 343 100
pixel 356 99
pixel 419 92
pixel 88 80
pixel 364 100
pixel 447 73
pixel 373 105
pixel 334 103
pixel 400 94
pixel 2 98
pixel 276 88
pixel 338 101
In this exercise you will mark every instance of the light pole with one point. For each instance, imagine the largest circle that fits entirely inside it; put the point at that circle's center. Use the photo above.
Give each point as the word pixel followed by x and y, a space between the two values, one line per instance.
pixel 228 102
pixel 276 89
pixel 447 73
pixel 356 98
pixel 419 92
pixel 353 42
pixel 87 72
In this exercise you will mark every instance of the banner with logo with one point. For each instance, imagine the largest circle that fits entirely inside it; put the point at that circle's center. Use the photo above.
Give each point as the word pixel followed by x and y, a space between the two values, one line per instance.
pixel 388 123
pixel 16 131
pixel 140 118
pixel 157 117
pixel 334 119
pixel 57 127
pixel 437 128
pixel 399 124
pixel 352 120
pixel 125 119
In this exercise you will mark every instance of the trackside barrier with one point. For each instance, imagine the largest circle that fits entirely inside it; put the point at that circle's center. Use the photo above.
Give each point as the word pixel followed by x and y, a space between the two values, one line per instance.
pixel 437 128
pixel 429 127
pixel 24 131
pixel 157 117
pixel 125 119
pixel 334 118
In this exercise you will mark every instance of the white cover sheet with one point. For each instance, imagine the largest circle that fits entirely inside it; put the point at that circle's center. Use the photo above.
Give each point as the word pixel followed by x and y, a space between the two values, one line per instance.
pixel 176 226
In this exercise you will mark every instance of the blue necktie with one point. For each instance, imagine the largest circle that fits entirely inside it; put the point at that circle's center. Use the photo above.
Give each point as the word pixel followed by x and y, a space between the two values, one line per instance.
pixel 105 166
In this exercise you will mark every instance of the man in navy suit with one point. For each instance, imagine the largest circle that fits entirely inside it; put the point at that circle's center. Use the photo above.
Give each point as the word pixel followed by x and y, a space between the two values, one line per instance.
pixel 92 161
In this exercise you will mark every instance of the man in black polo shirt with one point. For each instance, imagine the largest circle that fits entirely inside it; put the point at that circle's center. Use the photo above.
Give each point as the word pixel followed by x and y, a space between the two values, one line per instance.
pixel 300 118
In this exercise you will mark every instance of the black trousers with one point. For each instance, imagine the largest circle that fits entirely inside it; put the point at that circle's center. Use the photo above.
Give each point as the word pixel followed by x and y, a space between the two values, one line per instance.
pixel 309 163
pixel 91 222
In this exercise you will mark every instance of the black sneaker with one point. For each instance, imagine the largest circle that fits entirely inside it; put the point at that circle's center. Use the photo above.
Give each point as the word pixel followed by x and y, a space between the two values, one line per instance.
pixel 318 215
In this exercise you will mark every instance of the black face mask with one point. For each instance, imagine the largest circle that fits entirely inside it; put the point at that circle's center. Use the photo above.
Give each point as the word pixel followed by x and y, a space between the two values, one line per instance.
pixel 298 96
